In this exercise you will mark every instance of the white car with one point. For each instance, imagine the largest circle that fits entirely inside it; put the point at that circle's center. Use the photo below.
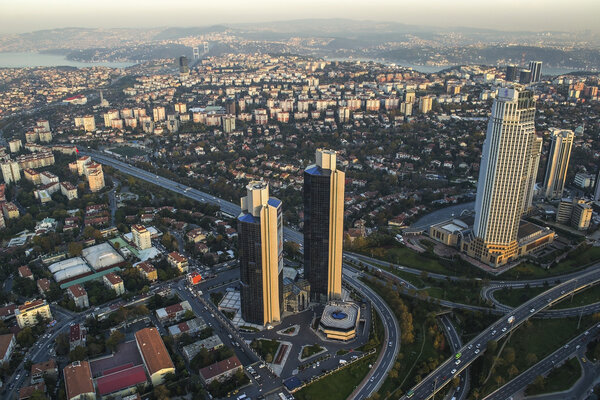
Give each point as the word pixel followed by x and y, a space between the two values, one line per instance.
pixel 477 351
pixel 532 310
pixel 504 329
pixel 457 362
pixel 453 371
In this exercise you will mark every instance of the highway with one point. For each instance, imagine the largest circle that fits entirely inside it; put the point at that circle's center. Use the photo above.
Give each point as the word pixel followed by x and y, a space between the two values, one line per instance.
pixel 391 344
pixel 488 294
pixel 389 351
pixel 460 393
pixel 454 365
pixel 546 365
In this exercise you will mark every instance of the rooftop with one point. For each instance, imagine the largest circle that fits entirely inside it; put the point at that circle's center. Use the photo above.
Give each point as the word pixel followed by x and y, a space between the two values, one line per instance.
pixel 153 350
pixel 220 367
pixel 78 379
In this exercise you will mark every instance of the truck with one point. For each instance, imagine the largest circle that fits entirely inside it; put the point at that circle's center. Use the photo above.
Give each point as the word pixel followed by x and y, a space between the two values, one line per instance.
pixel 511 319
pixel 342 362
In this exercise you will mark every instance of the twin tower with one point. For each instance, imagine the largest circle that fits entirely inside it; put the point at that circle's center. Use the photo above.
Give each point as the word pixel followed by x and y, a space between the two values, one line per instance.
pixel 260 231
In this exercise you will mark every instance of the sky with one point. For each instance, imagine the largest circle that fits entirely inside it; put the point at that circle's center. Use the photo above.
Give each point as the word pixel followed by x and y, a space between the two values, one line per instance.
pixel 18 16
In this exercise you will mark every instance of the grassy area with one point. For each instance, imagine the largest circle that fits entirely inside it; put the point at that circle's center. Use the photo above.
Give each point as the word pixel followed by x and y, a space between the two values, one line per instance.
pixel 577 259
pixel 516 297
pixel 427 261
pixel 265 348
pixel 128 151
pixel 559 379
pixel 311 350
pixel 582 298
pixel 456 293
pixel 531 342
pixel 339 385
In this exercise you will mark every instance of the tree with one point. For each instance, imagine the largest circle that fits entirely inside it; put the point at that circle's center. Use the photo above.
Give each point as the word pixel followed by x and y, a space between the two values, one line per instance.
pixel 509 355
pixel 25 338
pixel 79 353
pixel 161 393
pixel 531 358
pixel 114 340
pixel 75 249
pixel 513 371
pixel 62 344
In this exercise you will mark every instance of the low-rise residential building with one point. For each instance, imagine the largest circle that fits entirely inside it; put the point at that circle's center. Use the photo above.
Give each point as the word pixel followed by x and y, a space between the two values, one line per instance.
pixel 221 370
pixel 27 392
pixel 173 313
pixel 156 358
pixel 77 336
pixel 179 261
pixel 29 313
pixel 25 272
pixel 114 282
pixel 43 369
pixel 10 210
pixel 7 345
pixel 43 286
pixel 196 235
pixel 191 327
pixel 79 295
pixel 147 271
pixel 78 381
pixel 211 343
pixel 68 190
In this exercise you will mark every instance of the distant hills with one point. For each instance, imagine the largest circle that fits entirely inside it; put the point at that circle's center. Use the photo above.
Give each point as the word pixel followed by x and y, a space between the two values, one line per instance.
pixel 334 38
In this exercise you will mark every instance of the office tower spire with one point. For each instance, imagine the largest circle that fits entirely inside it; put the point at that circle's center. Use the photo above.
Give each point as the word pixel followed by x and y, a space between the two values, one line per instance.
pixel 324 226
pixel 558 162
pixel 505 176
pixel 260 230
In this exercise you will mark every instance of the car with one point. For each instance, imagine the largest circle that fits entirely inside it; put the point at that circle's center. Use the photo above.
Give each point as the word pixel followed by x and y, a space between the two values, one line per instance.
pixel 453 371
pixel 477 351
pixel 583 359
pixel 577 347
pixel 504 329
pixel 457 362
pixel 493 333
pixel 587 333
pixel 566 346
pixel 478 345
pixel 457 356
pixel 390 344
pixel 470 346
pixel 532 310
pixel 562 292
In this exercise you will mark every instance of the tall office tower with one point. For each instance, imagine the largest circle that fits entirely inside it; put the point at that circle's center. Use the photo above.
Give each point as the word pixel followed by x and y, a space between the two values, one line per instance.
pixel 324 226
pixel 536 70
pixel 260 230
pixel 597 191
pixel 504 177
pixel 196 51
pixel 532 163
pixel 512 73
pixel 525 76
pixel 558 163
pixel 183 65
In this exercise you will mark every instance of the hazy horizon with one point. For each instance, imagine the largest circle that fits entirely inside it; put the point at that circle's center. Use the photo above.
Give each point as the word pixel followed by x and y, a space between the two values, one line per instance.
pixel 512 15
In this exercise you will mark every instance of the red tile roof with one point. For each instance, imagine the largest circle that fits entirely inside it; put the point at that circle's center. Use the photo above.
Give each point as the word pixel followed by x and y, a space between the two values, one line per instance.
pixel 220 367
pixel 121 380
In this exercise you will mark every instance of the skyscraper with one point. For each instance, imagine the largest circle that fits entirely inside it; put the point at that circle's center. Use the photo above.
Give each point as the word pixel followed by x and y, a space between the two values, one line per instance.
pixel 323 226
pixel 183 65
pixel 504 176
pixel 260 230
pixel 512 73
pixel 558 163
pixel 525 76
pixel 536 70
